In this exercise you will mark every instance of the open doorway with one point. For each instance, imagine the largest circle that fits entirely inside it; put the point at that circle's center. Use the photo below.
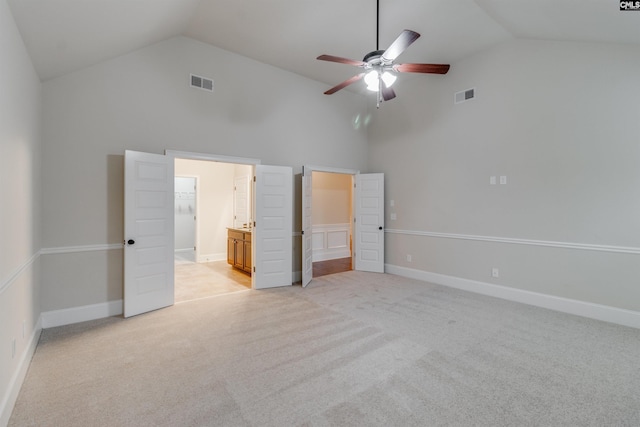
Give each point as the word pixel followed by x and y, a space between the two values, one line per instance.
pixel 149 256
pixel 366 242
pixel 212 202
pixel 331 222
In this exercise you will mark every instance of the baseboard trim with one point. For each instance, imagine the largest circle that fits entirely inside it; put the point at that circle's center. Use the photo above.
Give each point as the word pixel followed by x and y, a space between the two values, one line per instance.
pixel 68 316
pixel 330 254
pixel 178 251
pixel 579 308
pixel 221 256
pixel 11 394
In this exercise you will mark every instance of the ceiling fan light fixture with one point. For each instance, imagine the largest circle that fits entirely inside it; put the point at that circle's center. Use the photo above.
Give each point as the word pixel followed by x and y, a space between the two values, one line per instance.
pixel 372 80
pixel 388 78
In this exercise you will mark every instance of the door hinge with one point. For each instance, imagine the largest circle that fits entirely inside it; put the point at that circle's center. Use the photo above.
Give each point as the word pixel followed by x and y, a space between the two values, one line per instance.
pixel 254 269
pixel 254 224
pixel 303 232
pixel 254 178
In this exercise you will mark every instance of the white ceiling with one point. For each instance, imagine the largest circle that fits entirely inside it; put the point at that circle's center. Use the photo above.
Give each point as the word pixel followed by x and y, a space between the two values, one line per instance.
pixel 65 35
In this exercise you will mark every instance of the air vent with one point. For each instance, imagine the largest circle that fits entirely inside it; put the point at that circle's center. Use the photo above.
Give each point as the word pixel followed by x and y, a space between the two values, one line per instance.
pixel 464 95
pixel 202 83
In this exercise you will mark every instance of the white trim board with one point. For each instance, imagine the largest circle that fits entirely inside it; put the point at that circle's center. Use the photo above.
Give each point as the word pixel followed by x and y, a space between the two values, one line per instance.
pixel 68 316
pixel 311 168
pixel 83 248
pixel 6 284
pixel 565 305
pixel 17 379
pixel 211 157
pixel 220 256
pixel 564 245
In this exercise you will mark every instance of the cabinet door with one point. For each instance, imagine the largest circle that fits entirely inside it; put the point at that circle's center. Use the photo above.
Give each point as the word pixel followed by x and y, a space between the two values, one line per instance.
pixel 231 251
pixel 239 254
pixel 247 256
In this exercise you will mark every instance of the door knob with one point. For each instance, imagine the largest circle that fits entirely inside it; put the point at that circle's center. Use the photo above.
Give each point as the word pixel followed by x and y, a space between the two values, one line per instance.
pixel 130 242
pixel 379 228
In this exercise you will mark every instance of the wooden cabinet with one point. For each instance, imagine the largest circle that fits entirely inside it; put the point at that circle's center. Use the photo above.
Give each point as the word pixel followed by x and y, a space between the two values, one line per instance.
pixel 239 249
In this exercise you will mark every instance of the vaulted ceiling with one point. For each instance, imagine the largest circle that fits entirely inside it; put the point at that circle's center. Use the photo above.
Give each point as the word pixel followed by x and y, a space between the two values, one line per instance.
pixel 66 35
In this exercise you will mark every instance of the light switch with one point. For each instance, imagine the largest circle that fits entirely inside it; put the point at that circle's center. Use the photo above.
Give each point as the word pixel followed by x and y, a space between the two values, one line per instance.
pixel 503 180
pixel 392 202
pixel 492 180
pixel 394 216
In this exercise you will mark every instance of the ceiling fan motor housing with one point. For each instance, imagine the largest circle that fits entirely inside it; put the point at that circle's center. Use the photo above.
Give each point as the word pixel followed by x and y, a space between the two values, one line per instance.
pixel 373 58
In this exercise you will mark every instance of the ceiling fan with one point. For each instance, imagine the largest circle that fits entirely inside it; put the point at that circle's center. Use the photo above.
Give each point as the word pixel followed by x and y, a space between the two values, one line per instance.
pixel 379 67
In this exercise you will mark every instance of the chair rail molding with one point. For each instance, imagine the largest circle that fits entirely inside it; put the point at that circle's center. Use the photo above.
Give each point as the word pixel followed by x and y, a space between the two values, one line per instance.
pixel 6 283
pixel 515 241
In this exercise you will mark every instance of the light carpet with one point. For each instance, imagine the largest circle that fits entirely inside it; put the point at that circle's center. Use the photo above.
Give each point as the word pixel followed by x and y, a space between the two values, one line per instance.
pixel 350 349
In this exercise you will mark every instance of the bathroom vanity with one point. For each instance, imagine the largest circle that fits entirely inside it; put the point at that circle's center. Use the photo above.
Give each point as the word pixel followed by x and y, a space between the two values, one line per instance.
pixel 239 248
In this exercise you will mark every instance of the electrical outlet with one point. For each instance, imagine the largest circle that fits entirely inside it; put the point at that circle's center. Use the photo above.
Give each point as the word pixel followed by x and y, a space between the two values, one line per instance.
pixel 495 272
pixel 492 180
pixel 408 258
pixel 394 216
pixel 392 203
pixel 503 180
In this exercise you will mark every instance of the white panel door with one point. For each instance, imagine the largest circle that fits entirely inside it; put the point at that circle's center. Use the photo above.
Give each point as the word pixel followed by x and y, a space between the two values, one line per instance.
pixel 271 245
pixel 307 235
pixel 369 213
pixel 148 232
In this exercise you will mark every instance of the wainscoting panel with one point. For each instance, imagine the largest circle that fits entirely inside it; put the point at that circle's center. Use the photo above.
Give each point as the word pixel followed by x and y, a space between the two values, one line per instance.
pixel 331 241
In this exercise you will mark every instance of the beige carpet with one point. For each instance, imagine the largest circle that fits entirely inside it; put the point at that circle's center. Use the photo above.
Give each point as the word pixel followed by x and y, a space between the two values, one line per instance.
pixel 351 349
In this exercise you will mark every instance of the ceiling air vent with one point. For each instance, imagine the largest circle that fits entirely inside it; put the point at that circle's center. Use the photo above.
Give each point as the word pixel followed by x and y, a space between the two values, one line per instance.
pixel 464 95
pixel 202 83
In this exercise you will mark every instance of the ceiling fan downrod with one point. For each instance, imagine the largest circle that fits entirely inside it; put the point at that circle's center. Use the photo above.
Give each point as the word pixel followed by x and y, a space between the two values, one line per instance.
pixel 377 24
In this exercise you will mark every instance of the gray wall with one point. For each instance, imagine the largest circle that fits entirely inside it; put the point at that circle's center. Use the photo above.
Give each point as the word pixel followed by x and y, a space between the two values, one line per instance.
pixel 560 120
pixel 20 204
pixel 142 101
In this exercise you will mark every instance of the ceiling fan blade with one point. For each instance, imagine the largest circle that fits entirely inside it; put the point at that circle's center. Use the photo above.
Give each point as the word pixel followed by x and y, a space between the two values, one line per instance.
pixel 422 68
pixel 344 84
pixel 387 92
pixel 341 60
pixel 399 45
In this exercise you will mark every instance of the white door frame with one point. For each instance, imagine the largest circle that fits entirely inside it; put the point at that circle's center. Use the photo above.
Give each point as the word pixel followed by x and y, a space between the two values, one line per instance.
pixel 175 154
pixel 308 170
